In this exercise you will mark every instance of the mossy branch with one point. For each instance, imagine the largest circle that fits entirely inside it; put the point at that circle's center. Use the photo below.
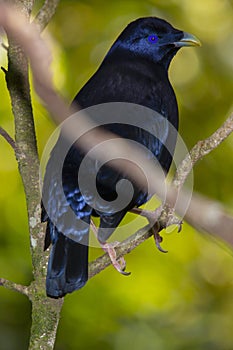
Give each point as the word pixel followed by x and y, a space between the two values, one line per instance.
pixel 46 13
pixel 45 311
pixel 14 286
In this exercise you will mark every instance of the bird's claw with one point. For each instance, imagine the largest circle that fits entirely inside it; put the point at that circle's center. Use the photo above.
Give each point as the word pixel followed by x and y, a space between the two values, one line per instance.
pixel 118 264
pixel 158 240
pixel 176 221
pixel 179 226
pixel 152 216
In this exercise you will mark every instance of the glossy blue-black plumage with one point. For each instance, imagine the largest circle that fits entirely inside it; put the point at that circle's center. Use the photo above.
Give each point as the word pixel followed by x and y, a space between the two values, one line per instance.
pixel 135 71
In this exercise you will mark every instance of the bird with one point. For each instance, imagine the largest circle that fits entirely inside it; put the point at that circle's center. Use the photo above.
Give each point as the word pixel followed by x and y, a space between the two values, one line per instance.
pixel 134 70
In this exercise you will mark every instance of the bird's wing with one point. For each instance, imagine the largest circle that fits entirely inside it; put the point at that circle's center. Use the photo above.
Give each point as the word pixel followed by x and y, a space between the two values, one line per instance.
pixel 64 207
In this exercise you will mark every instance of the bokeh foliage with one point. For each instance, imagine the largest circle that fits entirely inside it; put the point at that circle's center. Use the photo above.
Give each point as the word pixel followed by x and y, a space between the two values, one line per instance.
pixel 179 300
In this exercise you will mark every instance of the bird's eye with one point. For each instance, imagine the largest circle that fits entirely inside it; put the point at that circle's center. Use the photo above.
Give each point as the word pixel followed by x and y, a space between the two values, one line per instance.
pixel 153 39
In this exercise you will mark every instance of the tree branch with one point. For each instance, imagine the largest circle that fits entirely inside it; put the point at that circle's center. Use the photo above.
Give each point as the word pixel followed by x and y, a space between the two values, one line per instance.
pixel 201 149
pixel 14 286
pixel 5 47
pixel 46 13
pixel 8 138
pixel 25 138
pixel 45 311
pixel 206 208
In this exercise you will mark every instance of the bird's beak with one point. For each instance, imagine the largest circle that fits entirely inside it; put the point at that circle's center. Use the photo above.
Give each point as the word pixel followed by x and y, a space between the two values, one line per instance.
pixel 188 40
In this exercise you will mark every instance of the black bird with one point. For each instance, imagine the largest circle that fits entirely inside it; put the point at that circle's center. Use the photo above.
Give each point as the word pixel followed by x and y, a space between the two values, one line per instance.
pixel 135 70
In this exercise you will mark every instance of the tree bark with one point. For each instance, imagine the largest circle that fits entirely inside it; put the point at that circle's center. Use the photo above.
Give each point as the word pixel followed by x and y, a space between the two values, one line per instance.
pixel 45 311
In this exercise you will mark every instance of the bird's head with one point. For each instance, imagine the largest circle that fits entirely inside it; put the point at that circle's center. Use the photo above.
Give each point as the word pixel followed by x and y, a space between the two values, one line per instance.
pixel 154 39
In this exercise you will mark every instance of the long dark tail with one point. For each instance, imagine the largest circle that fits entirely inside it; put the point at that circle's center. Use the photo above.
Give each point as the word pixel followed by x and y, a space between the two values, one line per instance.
pixel 67 267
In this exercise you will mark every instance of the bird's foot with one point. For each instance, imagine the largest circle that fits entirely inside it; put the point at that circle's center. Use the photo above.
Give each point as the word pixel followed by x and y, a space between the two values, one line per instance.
pixel 151 215
pixel 158 239
pixel 176 221
pixel 109 248
pixel 118 264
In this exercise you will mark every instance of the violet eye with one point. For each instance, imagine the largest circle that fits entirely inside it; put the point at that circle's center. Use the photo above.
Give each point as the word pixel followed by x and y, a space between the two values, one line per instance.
pixel 153 39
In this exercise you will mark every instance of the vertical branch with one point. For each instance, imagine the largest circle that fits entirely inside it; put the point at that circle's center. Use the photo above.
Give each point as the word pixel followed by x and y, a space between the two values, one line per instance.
pixel 45 311
pixel 25 139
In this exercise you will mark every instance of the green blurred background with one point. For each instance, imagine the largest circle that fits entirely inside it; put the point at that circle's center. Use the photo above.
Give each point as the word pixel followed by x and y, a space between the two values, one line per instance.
pixel 179 300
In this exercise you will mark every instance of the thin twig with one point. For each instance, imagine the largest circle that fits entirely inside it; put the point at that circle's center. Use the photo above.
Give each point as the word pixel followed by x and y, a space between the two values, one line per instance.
pixel 14 286
pixel 6 47
pixel 201 149
pixel 4 70
pixel 8 138
pixel 46 13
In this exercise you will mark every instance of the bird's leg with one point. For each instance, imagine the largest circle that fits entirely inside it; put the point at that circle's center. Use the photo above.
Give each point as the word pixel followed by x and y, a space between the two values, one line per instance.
pixel 118 264
pixel 152 217
pixel 109 248
pixel 94 228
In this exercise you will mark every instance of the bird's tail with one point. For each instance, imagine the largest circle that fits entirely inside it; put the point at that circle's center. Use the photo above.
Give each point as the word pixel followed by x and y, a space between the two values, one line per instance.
pixel 67 267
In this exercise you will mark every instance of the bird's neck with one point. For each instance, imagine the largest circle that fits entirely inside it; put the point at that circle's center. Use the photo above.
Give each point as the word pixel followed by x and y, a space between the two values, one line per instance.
pixel 144 63
pixel 119 53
